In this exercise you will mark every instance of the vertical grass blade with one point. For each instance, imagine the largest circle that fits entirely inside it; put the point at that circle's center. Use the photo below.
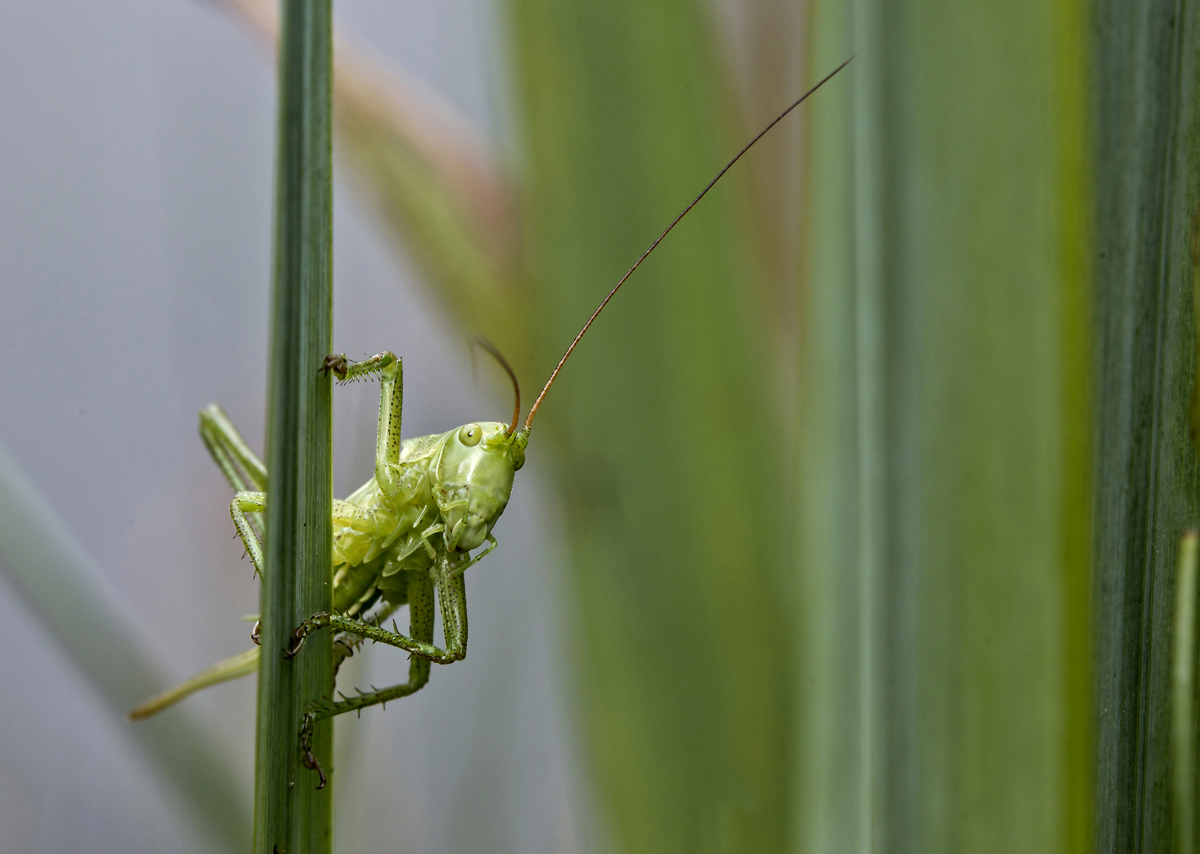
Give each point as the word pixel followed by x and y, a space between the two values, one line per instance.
pixel 1147 182
pixel 942 668
pixel 58 582
pixel 290 814
pixel 665 420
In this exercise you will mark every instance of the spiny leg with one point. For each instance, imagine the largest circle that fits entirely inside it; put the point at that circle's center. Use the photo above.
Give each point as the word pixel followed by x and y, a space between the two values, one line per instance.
pixel 391 403
pixel 451 592
pixel 345 646
pixel 420 626
pixel 243 503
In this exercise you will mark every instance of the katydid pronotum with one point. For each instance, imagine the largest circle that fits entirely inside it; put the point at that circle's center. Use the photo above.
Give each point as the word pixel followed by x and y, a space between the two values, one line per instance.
pixel 406 536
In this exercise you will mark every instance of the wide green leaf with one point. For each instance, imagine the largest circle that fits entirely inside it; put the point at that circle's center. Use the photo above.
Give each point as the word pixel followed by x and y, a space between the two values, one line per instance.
pixel 943 666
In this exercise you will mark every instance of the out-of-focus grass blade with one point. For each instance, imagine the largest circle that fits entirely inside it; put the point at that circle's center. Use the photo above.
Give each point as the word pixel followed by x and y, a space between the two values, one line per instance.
pixel 665 421
pixel 53 576
pixel 434 181
pixel 942 659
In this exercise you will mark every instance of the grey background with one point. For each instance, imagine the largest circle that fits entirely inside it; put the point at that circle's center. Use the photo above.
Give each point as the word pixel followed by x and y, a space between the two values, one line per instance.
pixel 135 178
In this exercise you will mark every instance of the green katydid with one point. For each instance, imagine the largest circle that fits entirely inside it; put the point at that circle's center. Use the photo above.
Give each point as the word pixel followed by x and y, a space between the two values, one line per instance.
pixel 406 536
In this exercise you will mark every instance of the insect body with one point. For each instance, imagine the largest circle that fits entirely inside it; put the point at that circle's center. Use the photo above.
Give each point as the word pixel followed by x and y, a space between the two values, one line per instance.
pixel 406 536
pixel 407 531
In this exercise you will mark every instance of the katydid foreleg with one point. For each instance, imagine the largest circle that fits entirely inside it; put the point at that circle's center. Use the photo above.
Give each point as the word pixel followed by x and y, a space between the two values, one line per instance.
pixel 391 404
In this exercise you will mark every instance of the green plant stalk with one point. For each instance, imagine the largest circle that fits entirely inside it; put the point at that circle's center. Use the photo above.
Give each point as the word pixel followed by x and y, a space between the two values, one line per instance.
pixel 57 581
pixel 290 814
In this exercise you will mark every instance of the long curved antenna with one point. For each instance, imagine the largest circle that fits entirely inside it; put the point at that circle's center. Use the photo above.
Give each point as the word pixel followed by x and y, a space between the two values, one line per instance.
pixel 674 222
pixel 484 344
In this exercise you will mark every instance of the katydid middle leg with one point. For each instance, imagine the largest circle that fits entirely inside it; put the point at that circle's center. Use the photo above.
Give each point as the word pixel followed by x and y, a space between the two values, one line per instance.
pixel 420 626
pixel 451 595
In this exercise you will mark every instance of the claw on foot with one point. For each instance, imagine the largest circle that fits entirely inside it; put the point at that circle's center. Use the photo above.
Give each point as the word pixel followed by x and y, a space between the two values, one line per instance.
pixel 316 621
pixel 337 363
pixel 297 642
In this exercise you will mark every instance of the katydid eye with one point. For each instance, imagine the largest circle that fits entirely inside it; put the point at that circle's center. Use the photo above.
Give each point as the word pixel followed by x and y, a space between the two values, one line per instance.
pixel 470 435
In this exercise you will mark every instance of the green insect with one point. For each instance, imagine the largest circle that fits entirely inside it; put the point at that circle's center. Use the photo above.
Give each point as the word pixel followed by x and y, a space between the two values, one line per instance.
pixel 406 536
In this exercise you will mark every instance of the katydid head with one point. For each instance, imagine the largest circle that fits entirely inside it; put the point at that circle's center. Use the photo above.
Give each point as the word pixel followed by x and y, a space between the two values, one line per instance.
pixel 475 477
pixel 475 470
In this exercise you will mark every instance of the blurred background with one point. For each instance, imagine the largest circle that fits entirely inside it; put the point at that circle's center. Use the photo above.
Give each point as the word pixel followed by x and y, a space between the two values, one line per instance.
pixel 850 527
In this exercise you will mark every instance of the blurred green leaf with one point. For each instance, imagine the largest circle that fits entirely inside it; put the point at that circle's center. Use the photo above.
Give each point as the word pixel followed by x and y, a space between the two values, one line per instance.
pixel 53 576
pixel 877 626
pixel 943 668
pixel 664 425
pixel 433 180
pixel 430 179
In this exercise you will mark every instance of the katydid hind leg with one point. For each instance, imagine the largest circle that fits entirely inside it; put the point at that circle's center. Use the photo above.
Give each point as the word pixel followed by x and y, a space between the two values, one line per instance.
pixel 240 465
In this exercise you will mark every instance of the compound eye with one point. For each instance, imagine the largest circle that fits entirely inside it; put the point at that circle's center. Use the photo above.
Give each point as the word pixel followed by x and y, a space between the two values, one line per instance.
pixel 470 435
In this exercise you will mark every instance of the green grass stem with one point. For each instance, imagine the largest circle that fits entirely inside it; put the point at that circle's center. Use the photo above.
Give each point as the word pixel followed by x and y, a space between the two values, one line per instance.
pixel 290 813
